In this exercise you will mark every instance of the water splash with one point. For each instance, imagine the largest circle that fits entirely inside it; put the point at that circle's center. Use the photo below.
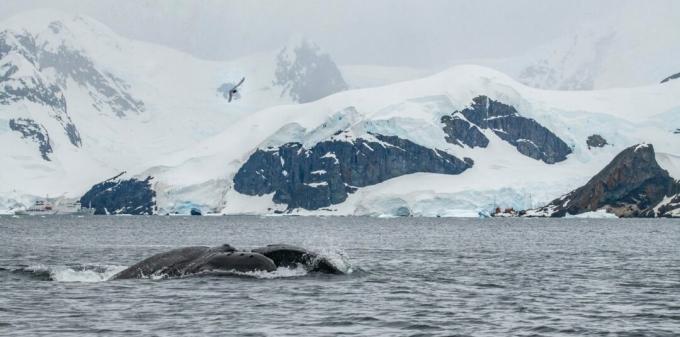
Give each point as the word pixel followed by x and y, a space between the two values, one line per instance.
pixel 281 272
pixel 338 258
pixel 63 273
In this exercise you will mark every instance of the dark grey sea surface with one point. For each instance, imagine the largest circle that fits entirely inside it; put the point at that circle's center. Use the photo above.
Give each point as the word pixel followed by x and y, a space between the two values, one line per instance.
pixel 406 277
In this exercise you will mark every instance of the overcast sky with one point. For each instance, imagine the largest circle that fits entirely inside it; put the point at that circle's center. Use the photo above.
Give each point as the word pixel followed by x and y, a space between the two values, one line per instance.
pixel 424 33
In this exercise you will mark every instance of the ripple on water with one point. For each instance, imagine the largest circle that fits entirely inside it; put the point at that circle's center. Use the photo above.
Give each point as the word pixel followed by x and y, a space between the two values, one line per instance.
pixel 430 277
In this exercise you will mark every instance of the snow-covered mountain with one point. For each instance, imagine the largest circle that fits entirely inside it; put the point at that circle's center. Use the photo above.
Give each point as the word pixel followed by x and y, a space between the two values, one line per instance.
pixel 80 104
pixel 631 185
pixel 360 151
pixel 625 48
pixel 78 101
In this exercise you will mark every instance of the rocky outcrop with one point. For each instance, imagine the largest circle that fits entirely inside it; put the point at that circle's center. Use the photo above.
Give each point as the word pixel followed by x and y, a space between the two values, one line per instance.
pixel 631 185
pixel 670 78
pixel 21 80
pixel 38 70
pixel 668 208
pixel 105 89
pixel 306 74
pixel 459 131
pixel 121 196
pixel 528 136
pixel 29 129
pixel 595 141
pixel 326 173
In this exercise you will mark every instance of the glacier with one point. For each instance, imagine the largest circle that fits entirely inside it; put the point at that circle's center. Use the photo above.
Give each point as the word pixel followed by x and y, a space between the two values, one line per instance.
pixel 165 118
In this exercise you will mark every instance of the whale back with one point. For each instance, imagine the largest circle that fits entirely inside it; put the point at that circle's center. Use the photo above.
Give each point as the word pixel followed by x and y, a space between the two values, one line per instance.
pixel 191 260
pixel 292 256
pixel 231 261
pixel 169 263
pixel 286 255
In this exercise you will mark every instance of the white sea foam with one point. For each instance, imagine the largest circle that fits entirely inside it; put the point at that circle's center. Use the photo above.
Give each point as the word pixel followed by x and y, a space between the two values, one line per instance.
pixel 338 258
pixel 85 273
pixel 281 272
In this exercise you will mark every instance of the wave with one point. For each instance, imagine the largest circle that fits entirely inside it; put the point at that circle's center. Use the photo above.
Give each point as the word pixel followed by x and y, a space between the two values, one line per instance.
pixel 66 273
pixel 338 258
pixel 281 272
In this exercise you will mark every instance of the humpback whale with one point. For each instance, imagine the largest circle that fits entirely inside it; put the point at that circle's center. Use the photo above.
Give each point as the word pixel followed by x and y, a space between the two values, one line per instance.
pixel 198 259
pixel 290 256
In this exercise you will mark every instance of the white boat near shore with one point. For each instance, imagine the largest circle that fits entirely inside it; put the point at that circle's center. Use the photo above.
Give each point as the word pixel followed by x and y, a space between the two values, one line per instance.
pixel 60 207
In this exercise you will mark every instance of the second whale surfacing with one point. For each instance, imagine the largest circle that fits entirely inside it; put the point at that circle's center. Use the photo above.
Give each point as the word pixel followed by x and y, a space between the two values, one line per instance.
pixel 199 259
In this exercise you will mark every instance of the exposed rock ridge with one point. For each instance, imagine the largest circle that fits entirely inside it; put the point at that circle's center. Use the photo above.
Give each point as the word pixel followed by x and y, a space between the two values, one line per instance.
pixel 596 141
pixel 29 129
pixel 631 185
pixel 121 196
pixel 38 67
pixel 528 136
pixel 669 207
pixel 458 130
pixel 326 173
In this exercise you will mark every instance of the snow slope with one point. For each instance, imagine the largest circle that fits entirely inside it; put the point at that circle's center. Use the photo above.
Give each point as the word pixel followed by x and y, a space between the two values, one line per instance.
pixel 413 110
pixel 131 102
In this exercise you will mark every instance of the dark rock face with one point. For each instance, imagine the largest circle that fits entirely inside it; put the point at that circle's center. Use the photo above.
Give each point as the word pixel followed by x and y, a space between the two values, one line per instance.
pixel 596 141
pixel 105 89
pixel 670 208
pixel 460 131
pixel 30 129
pixel 670 78
pixel 528 136
pixel 116 196
pixel 307 74
pixel 629 186
pixel 14 88
pixel 326 173
pixel 66 63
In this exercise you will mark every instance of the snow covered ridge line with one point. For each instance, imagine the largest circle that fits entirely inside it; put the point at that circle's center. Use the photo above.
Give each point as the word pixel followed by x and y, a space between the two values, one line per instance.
pixel 632 185
pixel 78 102
pixel 39 67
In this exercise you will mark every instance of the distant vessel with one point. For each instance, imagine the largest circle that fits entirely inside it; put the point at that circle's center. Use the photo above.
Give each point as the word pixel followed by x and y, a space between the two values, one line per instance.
pixel 74 208
pixel 41 207
pixel 45 207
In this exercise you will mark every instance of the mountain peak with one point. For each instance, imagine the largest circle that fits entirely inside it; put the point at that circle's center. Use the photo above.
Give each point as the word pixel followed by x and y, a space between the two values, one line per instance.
pixel 53 28
pixel 306 73
pixel 630 185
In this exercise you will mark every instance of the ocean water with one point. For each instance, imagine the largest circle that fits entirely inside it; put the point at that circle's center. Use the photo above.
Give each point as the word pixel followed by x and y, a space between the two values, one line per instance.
pixel 405 277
